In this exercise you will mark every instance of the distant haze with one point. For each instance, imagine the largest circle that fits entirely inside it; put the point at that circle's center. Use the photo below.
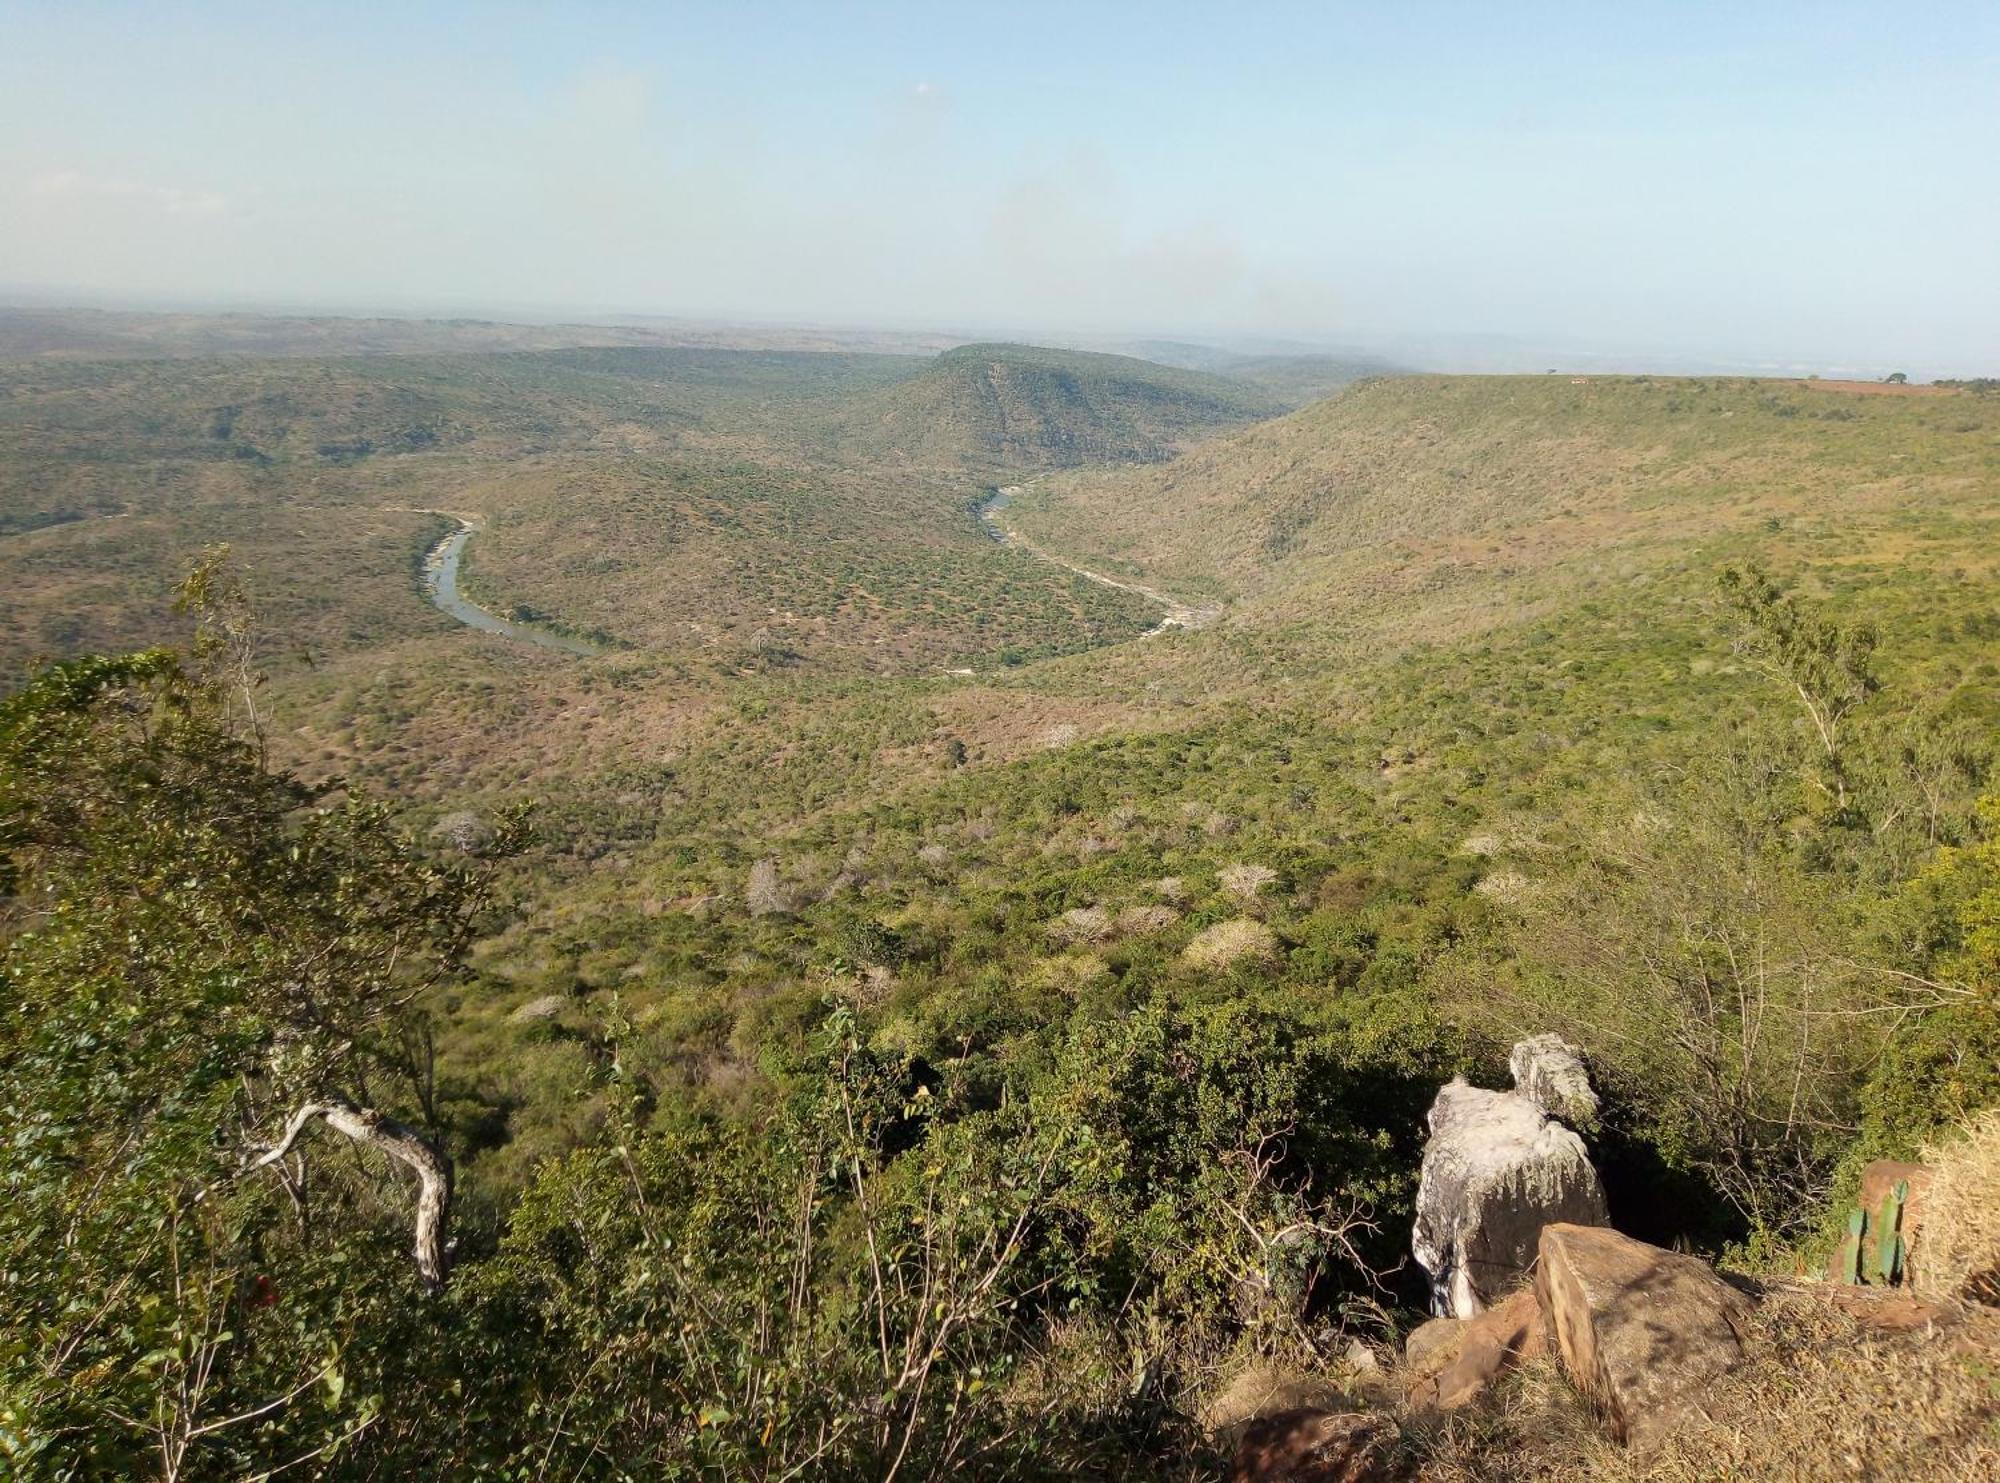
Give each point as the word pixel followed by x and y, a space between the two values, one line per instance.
pixel 1771 183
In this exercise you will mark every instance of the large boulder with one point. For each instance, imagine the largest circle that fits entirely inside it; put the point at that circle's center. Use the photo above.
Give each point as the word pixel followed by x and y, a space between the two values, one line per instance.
pixel 1549 1072
pixel 1497 1169
pixel 1640 1330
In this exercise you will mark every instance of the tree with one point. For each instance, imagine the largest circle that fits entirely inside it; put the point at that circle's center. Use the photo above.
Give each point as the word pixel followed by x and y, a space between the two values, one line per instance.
pixel 1896 378
pixel 201 957
pixel 1828 666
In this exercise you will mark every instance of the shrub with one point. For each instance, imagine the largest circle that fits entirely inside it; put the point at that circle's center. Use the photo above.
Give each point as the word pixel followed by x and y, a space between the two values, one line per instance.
pixel 1238 940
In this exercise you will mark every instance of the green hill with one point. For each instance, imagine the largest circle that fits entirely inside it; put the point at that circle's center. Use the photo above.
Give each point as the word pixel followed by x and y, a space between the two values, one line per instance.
pixel 1398 499
pixel 1292 378
pixel 707 504
pixel 1024 405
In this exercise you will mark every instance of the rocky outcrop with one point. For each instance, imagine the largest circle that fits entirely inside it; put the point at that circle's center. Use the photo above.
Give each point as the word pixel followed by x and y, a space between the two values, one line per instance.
pixel 1458 1370
pixel 1549 1072
pixel 1309 1446
pixel 1497 1170
pixel 1640 1330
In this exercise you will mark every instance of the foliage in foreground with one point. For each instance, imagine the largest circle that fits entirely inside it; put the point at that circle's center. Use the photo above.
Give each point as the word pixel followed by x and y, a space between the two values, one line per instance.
pixel 849 1285
pixel 998 1218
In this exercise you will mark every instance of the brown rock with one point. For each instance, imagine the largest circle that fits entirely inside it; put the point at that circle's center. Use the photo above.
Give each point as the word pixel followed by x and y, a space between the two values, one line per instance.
pixel 1499 1338
pixel 1433 1345
pixel 1317 1447
pixel 1640 1330
pixel 1262 1389
pixel 1889 1310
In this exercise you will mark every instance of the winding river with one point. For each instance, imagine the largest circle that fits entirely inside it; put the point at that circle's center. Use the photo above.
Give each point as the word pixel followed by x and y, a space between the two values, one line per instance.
pixel 441 586
pixel 441 565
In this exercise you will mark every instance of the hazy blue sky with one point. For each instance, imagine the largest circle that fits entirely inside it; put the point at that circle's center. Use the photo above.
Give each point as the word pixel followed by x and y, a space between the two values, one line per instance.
pixel 1801 180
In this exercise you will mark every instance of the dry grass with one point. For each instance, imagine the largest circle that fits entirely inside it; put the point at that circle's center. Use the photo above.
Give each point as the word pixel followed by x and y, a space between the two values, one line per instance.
pixel 1956 1251
pixel 1826 1397
pixel 1532 1426
pixel 1823 1396
pixel 1878 388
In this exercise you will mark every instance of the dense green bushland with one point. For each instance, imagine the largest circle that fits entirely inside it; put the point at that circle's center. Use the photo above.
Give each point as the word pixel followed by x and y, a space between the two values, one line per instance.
pixel 850 1282
pixel 999 1217
pixel 857 1069
pixel 740 507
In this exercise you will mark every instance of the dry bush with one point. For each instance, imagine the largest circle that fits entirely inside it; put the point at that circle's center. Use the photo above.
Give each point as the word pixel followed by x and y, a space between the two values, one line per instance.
pixel 1957 1247
pixel 1509 887
pixel 1081 924
pixel 543 1007
pixel 765 894
pixel 1138 921
pixel 1234 941
pixel 1069 973
pixel 1245 881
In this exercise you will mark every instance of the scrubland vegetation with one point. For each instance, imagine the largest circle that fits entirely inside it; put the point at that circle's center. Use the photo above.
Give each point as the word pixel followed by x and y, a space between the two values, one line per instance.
pixel 851 1069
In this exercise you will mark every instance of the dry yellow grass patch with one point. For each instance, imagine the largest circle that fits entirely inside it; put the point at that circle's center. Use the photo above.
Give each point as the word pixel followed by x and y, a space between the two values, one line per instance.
pixel 1823 1396
pixel 1957 1247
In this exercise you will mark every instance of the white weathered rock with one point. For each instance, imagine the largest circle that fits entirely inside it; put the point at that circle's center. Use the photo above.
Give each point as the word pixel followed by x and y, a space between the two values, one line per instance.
pixel 1497 1169
pixel 1549 1072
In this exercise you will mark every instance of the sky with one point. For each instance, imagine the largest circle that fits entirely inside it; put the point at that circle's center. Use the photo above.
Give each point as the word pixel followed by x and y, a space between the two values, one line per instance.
pixel 1796 182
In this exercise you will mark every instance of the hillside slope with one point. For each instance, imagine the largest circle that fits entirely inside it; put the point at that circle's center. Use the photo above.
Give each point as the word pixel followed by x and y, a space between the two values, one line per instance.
pixel 1292 377
pixel 1404 491
pixel 706 504
pixel 1020 404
